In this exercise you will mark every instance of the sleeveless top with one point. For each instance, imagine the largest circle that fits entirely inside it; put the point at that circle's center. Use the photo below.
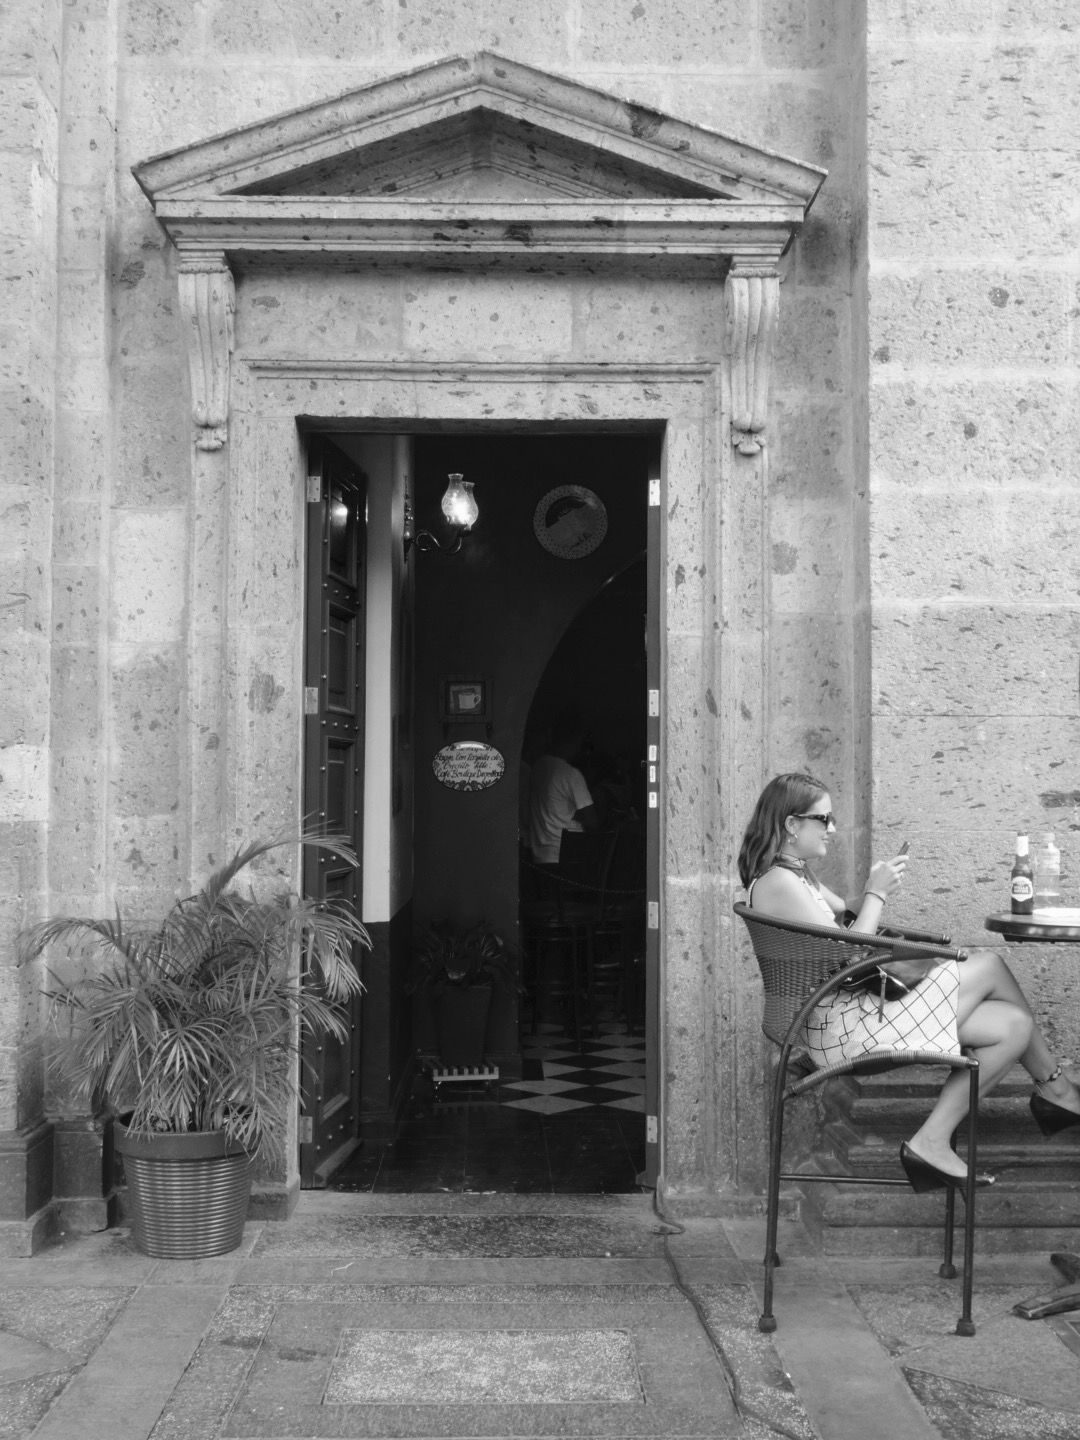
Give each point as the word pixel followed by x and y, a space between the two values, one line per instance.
pixel 801 876
pixel 849 1025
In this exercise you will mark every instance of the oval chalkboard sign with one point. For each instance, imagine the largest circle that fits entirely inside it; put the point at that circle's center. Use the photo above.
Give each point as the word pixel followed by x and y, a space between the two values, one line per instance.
pixel 468 765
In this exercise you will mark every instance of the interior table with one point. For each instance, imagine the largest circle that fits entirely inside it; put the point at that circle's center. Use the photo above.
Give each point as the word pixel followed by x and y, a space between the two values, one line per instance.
pixel 1057 926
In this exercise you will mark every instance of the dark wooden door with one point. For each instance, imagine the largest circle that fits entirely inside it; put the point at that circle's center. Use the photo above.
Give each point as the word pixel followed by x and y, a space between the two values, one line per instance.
pixel 652 827
pixel 333 772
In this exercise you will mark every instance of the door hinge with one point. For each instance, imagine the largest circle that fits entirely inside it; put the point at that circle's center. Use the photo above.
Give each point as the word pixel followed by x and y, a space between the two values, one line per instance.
pixel 652 1130
pixel 652 911
pixel 314 489
pixel 311 699
pixel 654 702
pixel 654 492
pixel 306 1129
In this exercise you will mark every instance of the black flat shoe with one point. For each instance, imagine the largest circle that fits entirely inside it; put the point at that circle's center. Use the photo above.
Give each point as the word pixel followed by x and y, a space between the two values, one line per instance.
pixel 1051 1118
pixel 923 1176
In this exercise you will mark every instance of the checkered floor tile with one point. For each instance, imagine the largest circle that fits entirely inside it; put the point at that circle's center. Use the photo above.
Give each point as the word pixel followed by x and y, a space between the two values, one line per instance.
pixel 559 1075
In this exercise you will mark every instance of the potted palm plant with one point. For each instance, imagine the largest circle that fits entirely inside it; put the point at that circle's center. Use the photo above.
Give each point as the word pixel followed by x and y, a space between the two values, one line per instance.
pixel 456 969
pixel 190 1030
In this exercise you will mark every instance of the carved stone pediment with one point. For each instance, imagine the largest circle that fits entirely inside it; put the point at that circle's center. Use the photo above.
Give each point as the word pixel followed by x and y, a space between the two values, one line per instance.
pixel 478 154
pixel 480 158
pixel 518 157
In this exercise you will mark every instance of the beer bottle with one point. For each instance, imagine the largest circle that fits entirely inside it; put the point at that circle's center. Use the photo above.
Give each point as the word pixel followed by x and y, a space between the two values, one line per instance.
pixel 1023 882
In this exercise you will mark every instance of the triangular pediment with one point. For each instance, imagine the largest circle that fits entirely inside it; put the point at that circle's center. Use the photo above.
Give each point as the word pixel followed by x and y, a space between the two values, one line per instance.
pixel 475 126
pixel 480 155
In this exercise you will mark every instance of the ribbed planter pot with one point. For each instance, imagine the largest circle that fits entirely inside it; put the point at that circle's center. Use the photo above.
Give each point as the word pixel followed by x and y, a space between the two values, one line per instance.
pixel 189 1193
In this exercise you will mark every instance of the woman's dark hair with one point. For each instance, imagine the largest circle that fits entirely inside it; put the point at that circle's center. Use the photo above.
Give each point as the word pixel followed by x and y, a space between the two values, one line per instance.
pixel 784 795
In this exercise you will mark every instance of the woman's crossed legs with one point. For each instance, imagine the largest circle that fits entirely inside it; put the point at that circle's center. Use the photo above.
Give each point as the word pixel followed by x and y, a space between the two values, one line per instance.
pixel 994 1020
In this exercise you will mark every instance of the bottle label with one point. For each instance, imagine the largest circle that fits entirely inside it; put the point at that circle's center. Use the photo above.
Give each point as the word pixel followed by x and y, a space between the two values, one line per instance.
pixel 1022 888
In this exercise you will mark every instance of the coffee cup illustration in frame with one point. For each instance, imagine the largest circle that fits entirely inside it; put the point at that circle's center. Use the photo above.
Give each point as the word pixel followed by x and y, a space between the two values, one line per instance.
pixel 465 699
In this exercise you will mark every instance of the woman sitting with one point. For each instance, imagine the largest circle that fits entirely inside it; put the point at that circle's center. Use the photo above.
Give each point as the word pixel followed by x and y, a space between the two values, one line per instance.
pixel 944 1004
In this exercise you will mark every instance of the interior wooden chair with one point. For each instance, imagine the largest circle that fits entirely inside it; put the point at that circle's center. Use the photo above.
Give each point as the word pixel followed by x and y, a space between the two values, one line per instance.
pixel 556 925
pixel 800 966
pixel 617 931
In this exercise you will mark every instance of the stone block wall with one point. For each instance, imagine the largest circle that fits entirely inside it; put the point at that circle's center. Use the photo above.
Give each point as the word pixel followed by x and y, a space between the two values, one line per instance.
pixel 973 157
pixel 777 75
pixel 920 500
pixel 113 638
pixel 30 108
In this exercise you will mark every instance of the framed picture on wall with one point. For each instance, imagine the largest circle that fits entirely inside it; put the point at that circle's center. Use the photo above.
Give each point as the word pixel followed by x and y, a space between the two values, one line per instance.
pixel 465 699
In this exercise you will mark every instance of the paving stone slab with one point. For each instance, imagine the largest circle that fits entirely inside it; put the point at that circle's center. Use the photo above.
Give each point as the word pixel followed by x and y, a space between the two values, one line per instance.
pixel 286 1268
pixel 761 1386
pixel 119 1393
pixel 105 1258
pixel 217 1371
pixel 918 1326
pixel 920 1314
pixel 64 1324
pixel 972 1412
pixel 283 1363
pixel 435 1236
pixel 490 1367
pixel 24 1402
pixel 46 1336
pixel 539 1298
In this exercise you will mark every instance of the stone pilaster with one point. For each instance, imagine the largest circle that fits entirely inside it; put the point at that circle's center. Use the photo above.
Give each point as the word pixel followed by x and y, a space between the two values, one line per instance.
pixel 32 34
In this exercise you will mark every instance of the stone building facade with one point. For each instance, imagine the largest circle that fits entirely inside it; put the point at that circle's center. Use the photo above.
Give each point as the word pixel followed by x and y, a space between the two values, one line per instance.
pixel 832 268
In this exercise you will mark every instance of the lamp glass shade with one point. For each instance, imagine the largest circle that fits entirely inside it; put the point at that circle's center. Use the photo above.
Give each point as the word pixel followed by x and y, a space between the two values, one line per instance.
pixel 458 504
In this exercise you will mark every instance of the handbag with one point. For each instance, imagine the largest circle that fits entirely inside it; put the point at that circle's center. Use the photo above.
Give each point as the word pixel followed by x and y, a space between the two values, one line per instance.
pixel 877 981
pixel 887 986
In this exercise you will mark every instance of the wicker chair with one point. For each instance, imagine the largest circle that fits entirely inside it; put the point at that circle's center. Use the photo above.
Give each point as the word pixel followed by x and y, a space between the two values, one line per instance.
pixel 800 966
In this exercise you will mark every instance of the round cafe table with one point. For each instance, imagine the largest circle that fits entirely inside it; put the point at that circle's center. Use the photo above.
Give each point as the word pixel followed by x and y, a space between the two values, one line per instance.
pixel 1056 926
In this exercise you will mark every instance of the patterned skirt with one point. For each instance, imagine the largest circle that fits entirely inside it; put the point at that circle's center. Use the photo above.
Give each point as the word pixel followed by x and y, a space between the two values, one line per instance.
pixel 848 1025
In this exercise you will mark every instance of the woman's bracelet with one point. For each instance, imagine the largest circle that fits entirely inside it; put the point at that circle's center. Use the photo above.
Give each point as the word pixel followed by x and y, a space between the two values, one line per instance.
pixel 876 894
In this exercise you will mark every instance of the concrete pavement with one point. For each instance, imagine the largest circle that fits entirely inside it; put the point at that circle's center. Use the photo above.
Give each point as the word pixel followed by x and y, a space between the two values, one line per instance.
pixel 520 1315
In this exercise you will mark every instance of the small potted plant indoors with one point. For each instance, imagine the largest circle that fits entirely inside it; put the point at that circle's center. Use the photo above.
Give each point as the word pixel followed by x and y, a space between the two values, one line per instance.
pixel 190 1030
pixel 456 969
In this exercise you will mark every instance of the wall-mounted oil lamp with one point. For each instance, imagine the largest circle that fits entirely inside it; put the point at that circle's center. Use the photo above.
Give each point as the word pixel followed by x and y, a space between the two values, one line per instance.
pixel 460 511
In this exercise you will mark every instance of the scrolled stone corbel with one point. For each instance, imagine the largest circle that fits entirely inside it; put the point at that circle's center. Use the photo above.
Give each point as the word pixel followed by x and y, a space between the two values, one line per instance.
pixel 752 306
pixel 207 304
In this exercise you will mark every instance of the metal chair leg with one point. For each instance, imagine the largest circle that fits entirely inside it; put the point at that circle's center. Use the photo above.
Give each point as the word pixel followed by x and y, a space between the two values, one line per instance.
pixel 965 1325
pixel 767 1320
pixel 947 1270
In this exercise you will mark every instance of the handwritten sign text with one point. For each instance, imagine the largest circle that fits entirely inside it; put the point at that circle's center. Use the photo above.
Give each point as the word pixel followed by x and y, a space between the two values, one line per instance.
pixel 468 765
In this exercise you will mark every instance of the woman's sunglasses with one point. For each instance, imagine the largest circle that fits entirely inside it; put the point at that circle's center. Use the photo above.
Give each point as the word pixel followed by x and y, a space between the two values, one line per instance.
pixel 828 819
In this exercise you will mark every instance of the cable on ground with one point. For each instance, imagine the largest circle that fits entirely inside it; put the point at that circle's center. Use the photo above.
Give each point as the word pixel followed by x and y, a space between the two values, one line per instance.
pixel 744 1409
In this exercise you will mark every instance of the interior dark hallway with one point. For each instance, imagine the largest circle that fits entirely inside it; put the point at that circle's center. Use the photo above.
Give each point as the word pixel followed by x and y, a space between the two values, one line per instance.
pixel 573 1124
pixel 536 623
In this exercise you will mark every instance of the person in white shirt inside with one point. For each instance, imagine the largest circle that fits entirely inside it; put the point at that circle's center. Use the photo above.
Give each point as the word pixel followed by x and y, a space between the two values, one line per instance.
pixel 559 798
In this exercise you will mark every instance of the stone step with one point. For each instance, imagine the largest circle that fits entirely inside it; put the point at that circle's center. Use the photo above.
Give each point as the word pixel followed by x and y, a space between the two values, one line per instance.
pixel 1000 1123
pixel 926 1080
pixel 1012 1215
pixel 879 1155
pixel 1032 1204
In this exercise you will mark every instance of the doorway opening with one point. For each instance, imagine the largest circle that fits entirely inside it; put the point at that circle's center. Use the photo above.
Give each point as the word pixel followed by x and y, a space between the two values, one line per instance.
pixel 539 616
